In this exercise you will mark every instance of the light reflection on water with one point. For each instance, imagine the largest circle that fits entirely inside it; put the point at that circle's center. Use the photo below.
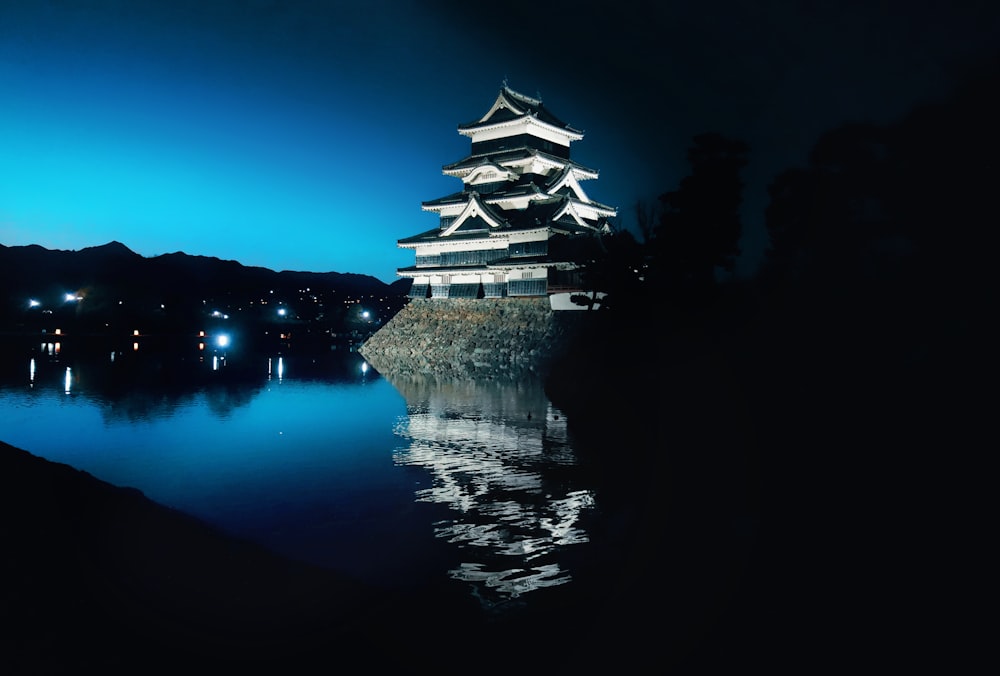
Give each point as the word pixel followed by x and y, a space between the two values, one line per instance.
pixel 321 460
pixel 488 447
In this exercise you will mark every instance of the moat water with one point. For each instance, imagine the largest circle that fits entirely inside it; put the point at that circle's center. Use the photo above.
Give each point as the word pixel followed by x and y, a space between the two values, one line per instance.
pixel 321 458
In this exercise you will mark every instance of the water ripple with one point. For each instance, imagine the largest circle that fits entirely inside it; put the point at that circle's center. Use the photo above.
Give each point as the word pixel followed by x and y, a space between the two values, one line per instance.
pixel 492 469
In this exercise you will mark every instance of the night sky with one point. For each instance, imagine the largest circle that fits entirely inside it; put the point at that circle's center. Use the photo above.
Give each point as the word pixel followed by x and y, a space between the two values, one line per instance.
pixel 304 135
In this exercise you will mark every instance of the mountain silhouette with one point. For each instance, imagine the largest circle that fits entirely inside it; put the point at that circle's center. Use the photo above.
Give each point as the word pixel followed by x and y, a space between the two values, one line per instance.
pixel 109 286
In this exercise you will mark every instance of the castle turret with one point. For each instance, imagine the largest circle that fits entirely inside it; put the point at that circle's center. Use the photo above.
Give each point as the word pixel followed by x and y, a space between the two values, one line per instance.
pixel 521 223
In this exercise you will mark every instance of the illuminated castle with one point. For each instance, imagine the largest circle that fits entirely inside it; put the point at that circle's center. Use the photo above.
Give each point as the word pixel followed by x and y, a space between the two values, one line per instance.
pixel 522 223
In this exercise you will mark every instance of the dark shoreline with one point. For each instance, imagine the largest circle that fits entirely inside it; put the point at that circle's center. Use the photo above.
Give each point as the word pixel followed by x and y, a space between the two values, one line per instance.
pixel 99 576
pixel 103 577
pixel 696 579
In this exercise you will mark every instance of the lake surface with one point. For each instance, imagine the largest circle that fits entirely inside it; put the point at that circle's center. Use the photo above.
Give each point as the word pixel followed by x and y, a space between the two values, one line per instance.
pixel 318 457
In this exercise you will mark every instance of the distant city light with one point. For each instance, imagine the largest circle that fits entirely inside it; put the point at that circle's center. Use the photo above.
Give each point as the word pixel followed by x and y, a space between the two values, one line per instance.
pixel 71 297
pixel 282 311
pixel 222 340
pixel 33 303
pixel 365 314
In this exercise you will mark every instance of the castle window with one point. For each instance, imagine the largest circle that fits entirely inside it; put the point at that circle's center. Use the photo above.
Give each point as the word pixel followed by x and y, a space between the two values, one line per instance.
pixel 464 291
pixel 527 287
pixel 476 257
pixel 521 249
pixel 488 188
pixel 494 289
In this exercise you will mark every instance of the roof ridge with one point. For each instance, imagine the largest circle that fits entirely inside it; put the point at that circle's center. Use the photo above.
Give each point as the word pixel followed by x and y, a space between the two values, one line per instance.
pixel 518 95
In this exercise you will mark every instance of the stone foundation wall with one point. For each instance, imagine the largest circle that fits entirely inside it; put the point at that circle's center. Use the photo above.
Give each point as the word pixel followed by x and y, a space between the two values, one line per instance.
pixel 497 338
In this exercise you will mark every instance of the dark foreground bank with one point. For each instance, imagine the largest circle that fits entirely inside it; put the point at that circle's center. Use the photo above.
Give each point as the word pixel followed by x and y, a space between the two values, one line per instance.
pixel 99 578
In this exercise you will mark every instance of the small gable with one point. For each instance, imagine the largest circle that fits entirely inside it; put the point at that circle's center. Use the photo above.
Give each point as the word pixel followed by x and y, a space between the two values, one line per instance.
pixel 566 183
pixel 475 217
pixel 569 215
pixel 470 225
pixel 489 173
pixel 503 109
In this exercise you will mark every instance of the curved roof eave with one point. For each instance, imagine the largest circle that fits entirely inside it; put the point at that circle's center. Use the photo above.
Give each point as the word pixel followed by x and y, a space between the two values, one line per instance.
pixel 413 240
pixel 514 155
pixel 596 206
pixel 520 105
pixel 439 269
pixel 574 134
pixel 515 263
pixel 435 204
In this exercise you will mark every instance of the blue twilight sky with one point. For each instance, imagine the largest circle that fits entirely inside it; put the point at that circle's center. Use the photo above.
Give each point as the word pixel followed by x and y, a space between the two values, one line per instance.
pixel 303 135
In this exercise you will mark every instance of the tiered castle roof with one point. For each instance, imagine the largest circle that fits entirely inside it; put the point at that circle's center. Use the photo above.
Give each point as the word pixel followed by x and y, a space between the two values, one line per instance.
pixel 513 109
pixel 518 185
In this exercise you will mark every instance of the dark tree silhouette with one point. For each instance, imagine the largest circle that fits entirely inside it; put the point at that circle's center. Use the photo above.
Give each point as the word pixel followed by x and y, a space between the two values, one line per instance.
pixel 646 218
pixel 790 217
pixel 617 271
pixel 823 219
pixel 699 229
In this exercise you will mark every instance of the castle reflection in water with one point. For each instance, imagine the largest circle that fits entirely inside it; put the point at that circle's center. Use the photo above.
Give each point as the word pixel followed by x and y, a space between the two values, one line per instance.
pixel 494 452
pixel 315 457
